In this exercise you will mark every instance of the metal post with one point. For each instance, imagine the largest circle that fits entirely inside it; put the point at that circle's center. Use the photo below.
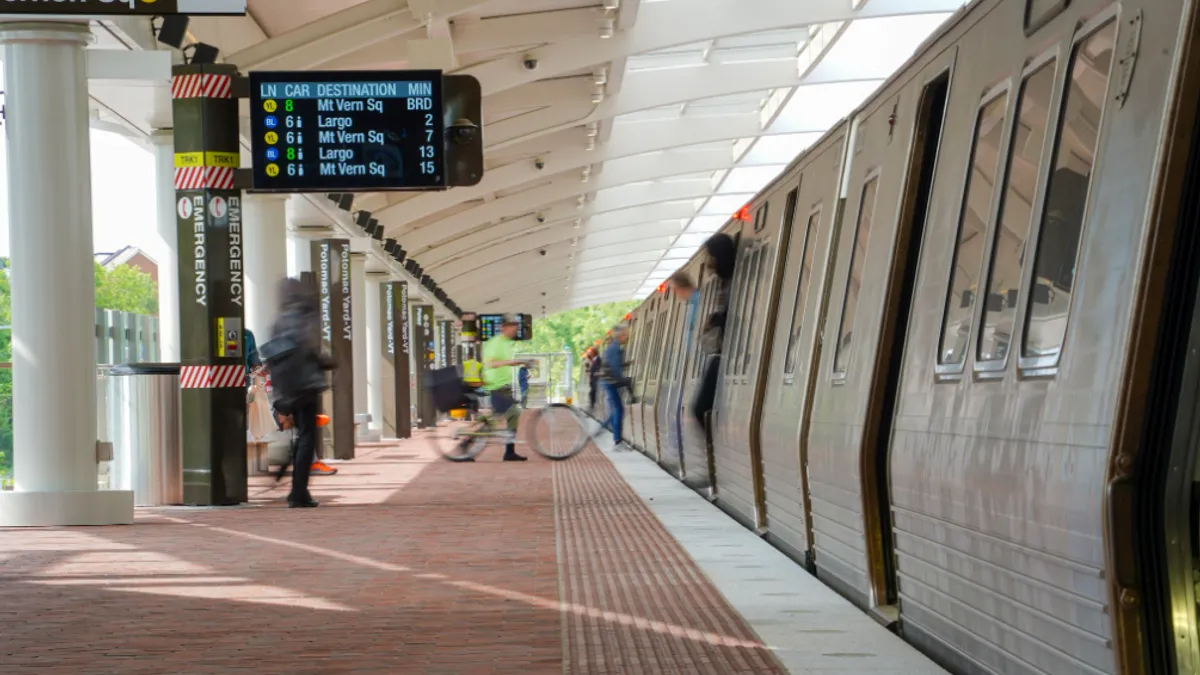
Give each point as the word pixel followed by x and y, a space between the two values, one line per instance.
pixel 53 301
pixel 358 310
pixel 212 285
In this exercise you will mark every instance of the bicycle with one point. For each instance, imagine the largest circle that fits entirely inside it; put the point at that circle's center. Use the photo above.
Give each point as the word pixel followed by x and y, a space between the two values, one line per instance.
pixel 555 431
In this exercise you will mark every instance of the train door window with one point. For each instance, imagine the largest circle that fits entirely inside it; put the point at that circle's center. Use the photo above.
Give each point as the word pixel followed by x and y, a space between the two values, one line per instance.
pixel 858 255
pixel 801 302
pixel 706 306
pixel 1016 213
pixel 733 318
pixel 760 218
pixel 978 199
pixel 1066 196
pixel 760 266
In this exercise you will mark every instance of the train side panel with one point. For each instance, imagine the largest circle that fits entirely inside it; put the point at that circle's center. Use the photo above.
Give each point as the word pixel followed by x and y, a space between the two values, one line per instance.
pixel 796 339
pixel 998 474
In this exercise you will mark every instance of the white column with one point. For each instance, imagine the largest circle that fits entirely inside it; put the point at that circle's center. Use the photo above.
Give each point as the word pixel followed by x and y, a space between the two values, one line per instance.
pixel 300 260
pixel 358 318
pixel 53 294
pixel 168 255
pixel 373 326
pixel 265 228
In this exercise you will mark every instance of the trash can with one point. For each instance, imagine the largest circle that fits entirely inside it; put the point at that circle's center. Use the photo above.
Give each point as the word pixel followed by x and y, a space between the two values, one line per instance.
pixel 144 427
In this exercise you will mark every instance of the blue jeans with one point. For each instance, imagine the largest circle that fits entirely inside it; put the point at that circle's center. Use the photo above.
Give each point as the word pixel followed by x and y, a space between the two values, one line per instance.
pixel 616 410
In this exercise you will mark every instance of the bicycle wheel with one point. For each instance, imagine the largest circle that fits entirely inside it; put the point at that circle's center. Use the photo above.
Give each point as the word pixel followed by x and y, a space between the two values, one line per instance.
pixel 557 432
pixel 460 441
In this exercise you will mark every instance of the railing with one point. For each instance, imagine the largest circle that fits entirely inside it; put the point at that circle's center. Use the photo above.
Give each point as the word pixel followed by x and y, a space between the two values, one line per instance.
pixel 121 337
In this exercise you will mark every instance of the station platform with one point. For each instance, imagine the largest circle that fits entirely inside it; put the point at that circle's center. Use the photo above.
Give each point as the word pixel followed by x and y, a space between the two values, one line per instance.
pixel 597 565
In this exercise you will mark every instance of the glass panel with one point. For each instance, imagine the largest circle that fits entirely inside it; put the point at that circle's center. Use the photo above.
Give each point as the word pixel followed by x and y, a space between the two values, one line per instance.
pixel 1016 213
pixel 1066 195
pixel 862 233
pixel 760 264
pixel 733 320
pixel 972 232
pixel 800 304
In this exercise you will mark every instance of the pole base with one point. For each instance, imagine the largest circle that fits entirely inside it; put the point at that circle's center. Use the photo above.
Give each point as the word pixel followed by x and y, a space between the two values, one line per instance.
pixel 59 509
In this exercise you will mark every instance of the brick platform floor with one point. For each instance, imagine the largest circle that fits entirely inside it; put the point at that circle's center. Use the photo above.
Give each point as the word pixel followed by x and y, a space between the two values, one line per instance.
pixel 411 565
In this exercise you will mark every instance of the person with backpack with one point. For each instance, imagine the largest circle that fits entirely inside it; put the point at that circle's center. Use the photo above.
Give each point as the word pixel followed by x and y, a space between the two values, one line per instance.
pixel 615 380
pixel 298 377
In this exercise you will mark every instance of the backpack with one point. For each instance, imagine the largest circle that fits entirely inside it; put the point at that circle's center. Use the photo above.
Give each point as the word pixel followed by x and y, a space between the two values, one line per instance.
pixel 295 371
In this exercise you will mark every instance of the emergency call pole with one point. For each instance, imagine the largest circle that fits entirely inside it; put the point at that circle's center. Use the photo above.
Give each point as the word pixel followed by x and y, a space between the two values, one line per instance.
pixel 211 285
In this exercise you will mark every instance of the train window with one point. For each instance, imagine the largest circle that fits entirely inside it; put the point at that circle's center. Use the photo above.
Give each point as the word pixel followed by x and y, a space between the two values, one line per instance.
pixel 801 304
pixel 702 324
pixel 978 197
pixel 733 319
pixel 760 267
pixel 1016 213
pixel 760 218
pixel 858 254
pixel 1066 195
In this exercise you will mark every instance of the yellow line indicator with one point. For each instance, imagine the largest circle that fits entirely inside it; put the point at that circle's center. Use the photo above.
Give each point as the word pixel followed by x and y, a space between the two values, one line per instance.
pixel 184 160
pixel 225 160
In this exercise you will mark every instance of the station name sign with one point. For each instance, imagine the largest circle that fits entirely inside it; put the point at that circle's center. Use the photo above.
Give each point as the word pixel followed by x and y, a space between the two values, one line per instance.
pixel 344 131
pixel 127 7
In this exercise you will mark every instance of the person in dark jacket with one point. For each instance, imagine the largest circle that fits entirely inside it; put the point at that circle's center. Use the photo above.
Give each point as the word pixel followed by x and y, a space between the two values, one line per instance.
pixel 721 251
pixel 299 376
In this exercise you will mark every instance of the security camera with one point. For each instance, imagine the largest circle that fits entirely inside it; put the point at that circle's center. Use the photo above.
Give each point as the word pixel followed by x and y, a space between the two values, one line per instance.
pixel 543 251
pixel 463 132
pixel 539 164
pixel 530 62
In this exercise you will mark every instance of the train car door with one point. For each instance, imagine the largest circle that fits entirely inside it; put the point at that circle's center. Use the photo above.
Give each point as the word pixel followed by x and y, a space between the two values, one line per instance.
pixel 881 402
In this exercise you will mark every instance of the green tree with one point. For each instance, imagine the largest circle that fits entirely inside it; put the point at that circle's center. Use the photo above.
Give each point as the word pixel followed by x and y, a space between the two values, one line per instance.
pixel 126 289
pixel 123 288
pixel 575 330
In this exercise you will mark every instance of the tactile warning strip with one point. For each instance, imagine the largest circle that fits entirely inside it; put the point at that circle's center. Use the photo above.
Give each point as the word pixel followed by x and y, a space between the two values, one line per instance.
pixel 635 602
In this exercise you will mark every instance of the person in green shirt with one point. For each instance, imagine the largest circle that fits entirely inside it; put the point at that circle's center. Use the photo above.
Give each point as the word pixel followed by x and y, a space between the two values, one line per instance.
pixel 498 364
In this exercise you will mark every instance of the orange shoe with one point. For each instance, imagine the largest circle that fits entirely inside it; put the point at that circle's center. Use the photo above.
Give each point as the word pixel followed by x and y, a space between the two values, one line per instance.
pixel 320 468
pixel 322 420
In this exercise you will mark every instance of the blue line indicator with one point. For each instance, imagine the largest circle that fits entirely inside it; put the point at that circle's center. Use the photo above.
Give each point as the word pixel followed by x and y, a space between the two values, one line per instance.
pixel 271 122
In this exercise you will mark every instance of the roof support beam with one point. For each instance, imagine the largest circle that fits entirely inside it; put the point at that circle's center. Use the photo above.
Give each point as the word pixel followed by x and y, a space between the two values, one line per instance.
pixel 633 139
pixel 653 89
pixel 667 24
pixel 476 241
pixel 341 33
pixel 619 172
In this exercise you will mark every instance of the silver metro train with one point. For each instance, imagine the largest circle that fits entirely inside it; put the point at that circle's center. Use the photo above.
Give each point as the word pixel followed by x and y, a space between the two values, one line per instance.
pixel 962 363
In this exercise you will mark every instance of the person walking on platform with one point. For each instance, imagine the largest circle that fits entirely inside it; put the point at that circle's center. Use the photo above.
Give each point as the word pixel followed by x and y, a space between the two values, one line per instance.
pixel 615 380
pixel 593 371
pixel 298 367
pixel 498 362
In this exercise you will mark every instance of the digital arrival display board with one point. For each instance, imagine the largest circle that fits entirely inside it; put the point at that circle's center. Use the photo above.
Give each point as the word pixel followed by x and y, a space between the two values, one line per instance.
pixel 347 131
pixel 489 326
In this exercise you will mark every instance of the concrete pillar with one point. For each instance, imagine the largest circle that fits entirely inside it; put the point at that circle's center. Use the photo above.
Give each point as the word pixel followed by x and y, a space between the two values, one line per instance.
pixel 373 326
pixel 265 231
pixel 168 234
pixel 301 260
pixel 53 293
pixel 358 310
